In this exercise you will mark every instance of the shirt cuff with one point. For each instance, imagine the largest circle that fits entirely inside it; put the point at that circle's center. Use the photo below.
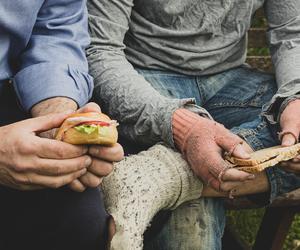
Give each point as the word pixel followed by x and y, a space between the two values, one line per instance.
pixel 189 104
pixel 46 80
pixel 284 95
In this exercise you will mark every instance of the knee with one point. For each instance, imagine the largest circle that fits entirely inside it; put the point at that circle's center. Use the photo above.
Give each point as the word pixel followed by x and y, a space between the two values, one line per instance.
pixel 85 223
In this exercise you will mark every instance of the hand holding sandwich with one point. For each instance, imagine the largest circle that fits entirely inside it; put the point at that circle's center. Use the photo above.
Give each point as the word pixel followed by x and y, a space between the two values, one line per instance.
pixel 203 142
pixel 102 157
pixel 290 127
pixel 89 126
pixel 28 162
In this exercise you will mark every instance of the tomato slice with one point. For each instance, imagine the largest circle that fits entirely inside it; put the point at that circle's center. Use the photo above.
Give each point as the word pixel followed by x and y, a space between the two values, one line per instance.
pixel 103 124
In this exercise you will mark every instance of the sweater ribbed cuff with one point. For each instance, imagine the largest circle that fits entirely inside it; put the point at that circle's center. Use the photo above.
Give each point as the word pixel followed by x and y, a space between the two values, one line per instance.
pixel 182 122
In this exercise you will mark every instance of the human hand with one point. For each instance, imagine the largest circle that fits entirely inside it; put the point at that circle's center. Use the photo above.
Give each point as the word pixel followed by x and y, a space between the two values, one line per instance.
pixel 102 159
pixel 290 127
pixel 203 142
pixel 102 165
pixel 29 162
pixel 290 124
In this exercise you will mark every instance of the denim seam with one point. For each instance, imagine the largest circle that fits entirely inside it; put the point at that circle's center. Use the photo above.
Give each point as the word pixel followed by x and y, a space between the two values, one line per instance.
pixel 234 104
pixel 163 74
pixel 201 90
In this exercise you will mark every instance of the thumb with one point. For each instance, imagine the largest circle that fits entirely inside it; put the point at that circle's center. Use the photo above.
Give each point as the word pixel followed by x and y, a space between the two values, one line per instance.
pixel 47 122
pixel 290 132
pixel 242 150
pixel 234 145
pixel 289 138
pixel 290 124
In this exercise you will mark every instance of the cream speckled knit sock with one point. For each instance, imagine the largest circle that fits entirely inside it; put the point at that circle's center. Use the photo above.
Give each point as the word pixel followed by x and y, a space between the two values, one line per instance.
pixel 140 186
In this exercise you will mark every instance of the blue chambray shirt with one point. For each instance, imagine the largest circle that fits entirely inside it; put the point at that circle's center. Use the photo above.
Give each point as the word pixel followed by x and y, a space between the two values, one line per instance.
pixel 42 47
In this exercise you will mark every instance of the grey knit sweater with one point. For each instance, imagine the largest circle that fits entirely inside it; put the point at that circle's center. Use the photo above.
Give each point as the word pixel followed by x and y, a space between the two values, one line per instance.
pixel 192 37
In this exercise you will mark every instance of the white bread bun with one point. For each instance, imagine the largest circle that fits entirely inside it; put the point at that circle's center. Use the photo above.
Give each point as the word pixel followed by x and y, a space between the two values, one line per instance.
pixel 104 135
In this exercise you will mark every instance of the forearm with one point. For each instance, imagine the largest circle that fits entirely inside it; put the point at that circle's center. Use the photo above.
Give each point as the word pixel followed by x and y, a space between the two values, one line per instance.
pixel 53 105
pixel 144 114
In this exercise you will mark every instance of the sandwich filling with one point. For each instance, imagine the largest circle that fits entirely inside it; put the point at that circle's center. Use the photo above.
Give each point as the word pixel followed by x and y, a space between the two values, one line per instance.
pixel 93 127
pixel 86 125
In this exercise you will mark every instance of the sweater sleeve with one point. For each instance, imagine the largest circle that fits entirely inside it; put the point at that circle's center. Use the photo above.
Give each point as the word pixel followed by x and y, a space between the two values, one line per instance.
pixel 284 40
pixel 143 113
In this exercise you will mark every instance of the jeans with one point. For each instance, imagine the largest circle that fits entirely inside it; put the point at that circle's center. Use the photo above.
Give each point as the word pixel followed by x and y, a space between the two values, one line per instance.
pixel 234 98
pixel 47 219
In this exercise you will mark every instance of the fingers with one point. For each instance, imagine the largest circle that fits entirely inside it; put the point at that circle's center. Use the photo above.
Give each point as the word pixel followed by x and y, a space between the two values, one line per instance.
pixel 213 182
pixel 291 166
pixel 77 186
pixel 101 168
pixel 90 180
pixel 290 123
pixel 289 138
pixel 296 159
pixel 47 122
pixel 229 185
pixel 97 170
pixel 221 169
pixel 52 149
pixel 112 154
pixel 47 181
pixel 242 151
pixel 236 175
pixel 50 134
pixel 52 167
pixel 231 143
pixel 90 107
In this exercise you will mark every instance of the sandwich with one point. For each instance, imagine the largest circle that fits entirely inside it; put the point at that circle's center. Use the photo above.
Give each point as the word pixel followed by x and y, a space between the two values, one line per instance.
pixel 88 128
pixel 264 158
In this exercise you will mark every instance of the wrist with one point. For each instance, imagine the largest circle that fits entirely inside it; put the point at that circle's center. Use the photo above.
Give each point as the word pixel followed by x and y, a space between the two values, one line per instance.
pixel 53 105
pixel 286 102
pixel 182 123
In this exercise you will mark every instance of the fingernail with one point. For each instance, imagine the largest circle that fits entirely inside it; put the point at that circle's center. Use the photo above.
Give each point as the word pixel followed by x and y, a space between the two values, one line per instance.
pixel 88 162
pixel 245 154
pixel 82 171
pixel 69 111
pixel 288 142
pixel 251 177
pixel 241 151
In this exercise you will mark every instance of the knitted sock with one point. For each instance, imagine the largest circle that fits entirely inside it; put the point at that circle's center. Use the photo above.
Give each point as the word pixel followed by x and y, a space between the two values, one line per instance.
pixel 140 186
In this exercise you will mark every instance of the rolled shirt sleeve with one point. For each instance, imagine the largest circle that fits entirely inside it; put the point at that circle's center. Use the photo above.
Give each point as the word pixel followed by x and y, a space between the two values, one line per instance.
pixel 284 38
pixel 54 62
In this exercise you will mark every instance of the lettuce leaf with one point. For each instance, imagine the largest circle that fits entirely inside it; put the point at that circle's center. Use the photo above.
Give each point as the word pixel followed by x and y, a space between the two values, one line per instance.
pixel 87 129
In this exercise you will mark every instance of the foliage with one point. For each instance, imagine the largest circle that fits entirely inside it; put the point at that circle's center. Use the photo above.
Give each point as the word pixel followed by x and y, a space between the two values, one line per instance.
pixel 246 223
